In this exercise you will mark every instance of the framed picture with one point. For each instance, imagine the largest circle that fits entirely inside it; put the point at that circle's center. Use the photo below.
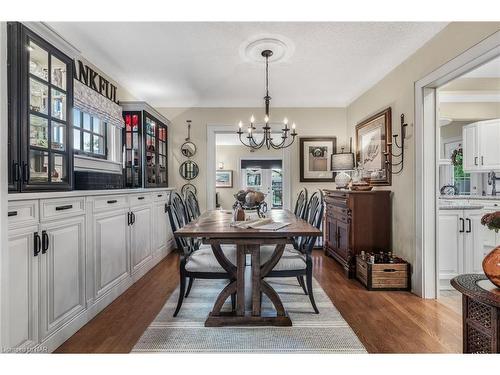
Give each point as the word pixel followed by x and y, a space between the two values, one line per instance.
pixel 315 159
pixel 373 136
pixel 223 178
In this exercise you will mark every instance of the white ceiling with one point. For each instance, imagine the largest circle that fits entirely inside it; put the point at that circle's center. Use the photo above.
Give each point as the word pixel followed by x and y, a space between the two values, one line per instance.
pixel 184 64
pixel 489 70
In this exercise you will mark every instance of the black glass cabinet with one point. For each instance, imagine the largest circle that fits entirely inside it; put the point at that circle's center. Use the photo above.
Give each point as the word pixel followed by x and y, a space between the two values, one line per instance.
pixel 145 143
pixel 40 104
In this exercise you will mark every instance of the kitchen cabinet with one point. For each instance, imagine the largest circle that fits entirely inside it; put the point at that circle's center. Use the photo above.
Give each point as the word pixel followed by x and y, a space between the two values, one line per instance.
pixel 71 256
pixel 140 236
pixel 22 292
pixel 111 249
pixel 145 144
pixel 480 146
pixel 40 103
pixel 62 272
pixel 460 239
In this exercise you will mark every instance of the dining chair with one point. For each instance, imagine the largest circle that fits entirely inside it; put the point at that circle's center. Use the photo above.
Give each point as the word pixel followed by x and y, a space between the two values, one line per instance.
pixel 296 260
pixel 197 261
pixel 301 203
pixel 192 205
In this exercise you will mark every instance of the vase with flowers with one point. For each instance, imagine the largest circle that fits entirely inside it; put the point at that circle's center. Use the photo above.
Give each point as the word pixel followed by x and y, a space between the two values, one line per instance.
pixel 491 263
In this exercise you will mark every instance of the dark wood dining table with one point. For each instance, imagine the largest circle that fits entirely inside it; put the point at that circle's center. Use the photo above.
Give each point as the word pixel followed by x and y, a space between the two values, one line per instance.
pixel 214 228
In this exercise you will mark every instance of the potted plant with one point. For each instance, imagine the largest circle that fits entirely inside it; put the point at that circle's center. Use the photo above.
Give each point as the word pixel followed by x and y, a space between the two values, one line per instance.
pixel 491 263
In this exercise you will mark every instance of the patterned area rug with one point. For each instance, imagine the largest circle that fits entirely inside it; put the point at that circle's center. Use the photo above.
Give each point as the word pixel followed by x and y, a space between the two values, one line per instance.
pixel 326 332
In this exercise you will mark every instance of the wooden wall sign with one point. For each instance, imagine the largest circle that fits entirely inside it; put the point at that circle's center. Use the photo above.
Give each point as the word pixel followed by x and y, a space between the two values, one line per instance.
pixel 89 77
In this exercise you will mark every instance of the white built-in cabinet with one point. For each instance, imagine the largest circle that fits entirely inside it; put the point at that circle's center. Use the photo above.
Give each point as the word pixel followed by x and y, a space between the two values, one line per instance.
pixel 481 148
pixel 70 257
pixel 461 248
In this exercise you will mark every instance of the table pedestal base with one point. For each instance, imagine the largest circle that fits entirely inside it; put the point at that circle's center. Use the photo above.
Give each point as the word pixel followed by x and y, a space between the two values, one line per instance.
pixel 243 316
pixel 231 319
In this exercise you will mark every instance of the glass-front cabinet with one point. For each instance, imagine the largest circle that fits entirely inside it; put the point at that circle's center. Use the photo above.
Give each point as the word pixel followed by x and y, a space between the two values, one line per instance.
pixel 145 139
pixel 40 103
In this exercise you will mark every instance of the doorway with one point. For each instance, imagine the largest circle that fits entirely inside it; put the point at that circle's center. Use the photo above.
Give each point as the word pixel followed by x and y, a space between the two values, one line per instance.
pixel 225 154
pixel 264 175
pixel 426 277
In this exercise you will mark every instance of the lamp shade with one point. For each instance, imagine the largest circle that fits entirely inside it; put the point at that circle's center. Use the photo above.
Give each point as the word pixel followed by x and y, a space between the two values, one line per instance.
pixel 342 162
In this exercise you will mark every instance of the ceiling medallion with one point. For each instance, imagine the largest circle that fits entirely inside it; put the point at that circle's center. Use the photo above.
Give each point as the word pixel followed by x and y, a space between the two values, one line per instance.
pixel 267 139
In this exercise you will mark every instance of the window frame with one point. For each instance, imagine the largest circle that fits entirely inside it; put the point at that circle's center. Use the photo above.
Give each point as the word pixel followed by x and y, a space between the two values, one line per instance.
pixel 82 130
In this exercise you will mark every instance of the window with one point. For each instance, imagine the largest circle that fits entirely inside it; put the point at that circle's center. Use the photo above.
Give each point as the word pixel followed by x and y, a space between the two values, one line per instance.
pixel 89 135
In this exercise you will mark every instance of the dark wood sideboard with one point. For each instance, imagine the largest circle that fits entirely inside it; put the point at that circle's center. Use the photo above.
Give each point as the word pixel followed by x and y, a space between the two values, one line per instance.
pixel 356 221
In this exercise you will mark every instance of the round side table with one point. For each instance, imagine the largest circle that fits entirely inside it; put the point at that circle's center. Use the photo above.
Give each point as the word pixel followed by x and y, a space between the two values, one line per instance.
pixel 481 313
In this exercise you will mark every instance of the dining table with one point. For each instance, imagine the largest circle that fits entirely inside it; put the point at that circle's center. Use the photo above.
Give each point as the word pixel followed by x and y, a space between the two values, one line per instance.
pixel 216 228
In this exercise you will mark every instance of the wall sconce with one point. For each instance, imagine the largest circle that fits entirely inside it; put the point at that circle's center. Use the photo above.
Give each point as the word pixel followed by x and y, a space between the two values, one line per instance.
pixel 396 168
pixel 221 165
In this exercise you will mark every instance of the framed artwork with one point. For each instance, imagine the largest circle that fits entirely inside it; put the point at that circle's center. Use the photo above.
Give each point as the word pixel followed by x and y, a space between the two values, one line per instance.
pixel 373 138
pixel 223 178
pixel 315 159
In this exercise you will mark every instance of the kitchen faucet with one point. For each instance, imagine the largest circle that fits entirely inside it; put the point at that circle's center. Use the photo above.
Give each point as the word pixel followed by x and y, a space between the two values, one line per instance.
pixel 492 178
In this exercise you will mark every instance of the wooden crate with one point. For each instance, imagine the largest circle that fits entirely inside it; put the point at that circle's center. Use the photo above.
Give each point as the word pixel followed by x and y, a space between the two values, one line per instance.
pixel 383 276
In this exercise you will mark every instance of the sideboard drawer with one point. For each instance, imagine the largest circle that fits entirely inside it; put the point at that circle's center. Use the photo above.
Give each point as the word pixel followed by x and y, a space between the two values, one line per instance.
pixel 140 199
pixel 22 213
pixel 109 202
pixel 59 208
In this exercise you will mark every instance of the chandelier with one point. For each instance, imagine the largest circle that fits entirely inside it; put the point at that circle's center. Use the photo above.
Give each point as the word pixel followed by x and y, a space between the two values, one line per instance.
pixel 267 139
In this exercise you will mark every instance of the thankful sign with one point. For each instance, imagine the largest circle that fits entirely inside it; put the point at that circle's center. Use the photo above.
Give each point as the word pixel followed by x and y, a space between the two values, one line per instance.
pixel 89 77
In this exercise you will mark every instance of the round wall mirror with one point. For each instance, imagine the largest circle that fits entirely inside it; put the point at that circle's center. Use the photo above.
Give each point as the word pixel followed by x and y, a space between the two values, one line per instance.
pixel 188 149
pixel 188 187
pixel 189 170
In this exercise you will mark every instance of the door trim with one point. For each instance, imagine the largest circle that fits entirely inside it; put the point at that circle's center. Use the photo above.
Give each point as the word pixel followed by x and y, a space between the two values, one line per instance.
pixel 212 130
pixel 425 275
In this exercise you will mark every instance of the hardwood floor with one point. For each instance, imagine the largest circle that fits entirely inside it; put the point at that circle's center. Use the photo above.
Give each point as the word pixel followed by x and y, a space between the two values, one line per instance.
pixel 385 322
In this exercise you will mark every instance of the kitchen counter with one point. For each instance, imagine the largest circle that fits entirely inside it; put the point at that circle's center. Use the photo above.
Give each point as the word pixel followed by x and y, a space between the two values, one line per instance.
pixel 461 207
pixel 80 193
pixel 471 197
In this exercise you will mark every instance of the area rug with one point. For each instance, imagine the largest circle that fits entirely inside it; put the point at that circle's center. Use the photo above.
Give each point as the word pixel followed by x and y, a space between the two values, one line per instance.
pixel 326 332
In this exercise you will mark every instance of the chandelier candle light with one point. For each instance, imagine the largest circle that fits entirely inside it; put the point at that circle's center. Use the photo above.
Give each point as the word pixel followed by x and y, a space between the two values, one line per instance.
pixel 267 138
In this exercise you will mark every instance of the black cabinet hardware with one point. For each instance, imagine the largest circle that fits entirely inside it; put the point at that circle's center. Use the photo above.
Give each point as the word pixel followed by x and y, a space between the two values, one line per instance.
pixel 16 172
pixel 133 218
pixel 469 226
pixel 112 201
pixel 463 225
pixel 475 160
pixel 128 218
pixel 160 195
pixel 26 172
pixel 37 244
pixel 140 198
pixel 62 208
pixel 166 207
pixel 45 241
pixel 482 160
pixel 12 213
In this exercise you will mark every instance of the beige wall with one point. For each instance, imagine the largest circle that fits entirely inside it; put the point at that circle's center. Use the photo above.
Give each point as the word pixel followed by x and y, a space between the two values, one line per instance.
pixel 310 122
pixel 469 111
pixel 397 91
pixel 230 155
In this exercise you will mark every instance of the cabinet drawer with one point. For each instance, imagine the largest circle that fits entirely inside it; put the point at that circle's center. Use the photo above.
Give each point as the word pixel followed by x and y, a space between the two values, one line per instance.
pixel 140 199
pixel 339 201
pixel 161 196
pixel 341 211
pixel 23 213
pixel 60 208
pixel 109 202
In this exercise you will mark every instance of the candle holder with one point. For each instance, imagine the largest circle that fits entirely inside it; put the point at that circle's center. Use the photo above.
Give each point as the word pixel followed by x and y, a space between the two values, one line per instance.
pixel 396 168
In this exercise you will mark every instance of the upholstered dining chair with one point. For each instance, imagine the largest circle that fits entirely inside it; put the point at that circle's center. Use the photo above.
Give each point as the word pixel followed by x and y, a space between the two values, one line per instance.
pixel 192 205
pixel 296 260
pixel 301 203
pixel 197 261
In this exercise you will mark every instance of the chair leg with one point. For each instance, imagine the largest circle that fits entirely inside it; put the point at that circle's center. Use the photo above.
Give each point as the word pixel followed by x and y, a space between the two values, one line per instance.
pixel 310 289
pixel 190 284
pixel 182 291
pixel 300 279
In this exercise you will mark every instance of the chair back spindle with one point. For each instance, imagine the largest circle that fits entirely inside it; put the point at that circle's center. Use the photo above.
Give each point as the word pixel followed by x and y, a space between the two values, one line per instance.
pixel 192 205
pixel 178 218
pixel 300 204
